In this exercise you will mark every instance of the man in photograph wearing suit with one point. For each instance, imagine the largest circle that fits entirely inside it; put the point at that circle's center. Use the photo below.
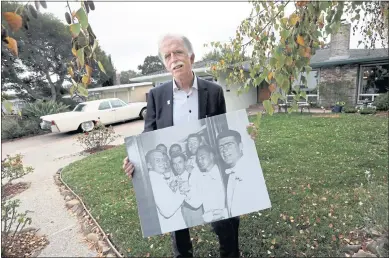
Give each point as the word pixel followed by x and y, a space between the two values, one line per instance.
pixel 186 98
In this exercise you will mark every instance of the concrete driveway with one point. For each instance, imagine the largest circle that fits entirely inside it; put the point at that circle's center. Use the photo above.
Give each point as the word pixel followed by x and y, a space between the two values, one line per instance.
pixel 46 154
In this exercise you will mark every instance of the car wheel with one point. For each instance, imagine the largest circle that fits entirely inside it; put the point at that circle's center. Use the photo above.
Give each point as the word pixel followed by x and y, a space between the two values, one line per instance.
pixel 143 113
pixel 87 126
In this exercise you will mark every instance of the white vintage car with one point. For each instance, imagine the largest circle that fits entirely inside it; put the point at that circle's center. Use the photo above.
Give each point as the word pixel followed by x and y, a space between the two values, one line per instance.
pixel 86 114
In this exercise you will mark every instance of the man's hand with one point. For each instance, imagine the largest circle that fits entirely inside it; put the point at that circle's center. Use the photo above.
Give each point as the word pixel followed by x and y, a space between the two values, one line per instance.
pixel 128 167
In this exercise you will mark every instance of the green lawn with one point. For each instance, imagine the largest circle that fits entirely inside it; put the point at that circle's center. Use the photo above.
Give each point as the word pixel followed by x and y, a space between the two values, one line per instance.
pixel 312 167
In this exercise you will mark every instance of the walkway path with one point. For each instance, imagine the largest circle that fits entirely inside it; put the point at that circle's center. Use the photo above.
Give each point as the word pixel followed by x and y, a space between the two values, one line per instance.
pixel 46 154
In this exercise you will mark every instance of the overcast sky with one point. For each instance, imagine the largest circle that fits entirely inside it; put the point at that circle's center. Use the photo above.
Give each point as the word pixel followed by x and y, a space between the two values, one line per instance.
pixel 129 31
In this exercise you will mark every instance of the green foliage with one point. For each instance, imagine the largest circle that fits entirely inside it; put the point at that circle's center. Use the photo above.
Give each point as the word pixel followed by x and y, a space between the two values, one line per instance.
pixel 281 45
pixel 68 102
pixel 382 102
pixel 13 127
pixel 125 76
pixel 12 168
pixel 350 109
pixel 367 111
pixel 80 58
pixel 43 108
pixel 151 64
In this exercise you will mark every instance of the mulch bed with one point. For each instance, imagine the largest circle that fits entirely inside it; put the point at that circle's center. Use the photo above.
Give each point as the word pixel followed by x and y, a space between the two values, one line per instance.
pixel 10 190
pixel 24 244
pixel 102 148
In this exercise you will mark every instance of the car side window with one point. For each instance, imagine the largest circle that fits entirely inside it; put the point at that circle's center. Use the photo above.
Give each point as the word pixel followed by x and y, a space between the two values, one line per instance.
pixel 104 105
pixel 116 103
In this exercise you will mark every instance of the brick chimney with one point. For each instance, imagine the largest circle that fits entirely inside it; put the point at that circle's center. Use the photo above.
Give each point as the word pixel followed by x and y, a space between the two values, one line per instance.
pixel 340 43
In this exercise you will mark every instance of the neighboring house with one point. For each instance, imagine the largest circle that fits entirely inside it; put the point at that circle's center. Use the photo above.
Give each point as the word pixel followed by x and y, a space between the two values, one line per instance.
pixel 357 68
pixel 134 92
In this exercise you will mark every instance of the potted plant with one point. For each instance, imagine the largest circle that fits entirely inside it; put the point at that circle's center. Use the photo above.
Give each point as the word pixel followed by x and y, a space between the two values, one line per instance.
pixel 338 107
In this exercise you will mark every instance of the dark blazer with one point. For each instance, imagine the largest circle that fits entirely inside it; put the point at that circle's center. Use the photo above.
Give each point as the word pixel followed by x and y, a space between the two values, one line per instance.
pixel 160 114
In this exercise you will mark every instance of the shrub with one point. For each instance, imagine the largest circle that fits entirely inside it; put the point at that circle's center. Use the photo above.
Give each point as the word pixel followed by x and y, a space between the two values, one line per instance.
pixel 12 168
pixel 350 110
pixel 382 102
pixel 367 111
pixel 42 108
pixel 96 139
pixel 16 127
pixel 69 102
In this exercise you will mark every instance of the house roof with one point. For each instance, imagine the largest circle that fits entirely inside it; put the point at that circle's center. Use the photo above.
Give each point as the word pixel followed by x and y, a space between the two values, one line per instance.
pixel 322 57
pixel 200 64
pixel 120 86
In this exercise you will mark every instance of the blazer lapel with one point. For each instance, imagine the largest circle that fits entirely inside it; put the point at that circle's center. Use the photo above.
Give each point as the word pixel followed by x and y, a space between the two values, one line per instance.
pixel 168 104
pixel 203 99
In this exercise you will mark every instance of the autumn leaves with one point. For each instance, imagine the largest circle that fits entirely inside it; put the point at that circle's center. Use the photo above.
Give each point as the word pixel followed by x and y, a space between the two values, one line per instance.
pixel 83 42
pixel 16 21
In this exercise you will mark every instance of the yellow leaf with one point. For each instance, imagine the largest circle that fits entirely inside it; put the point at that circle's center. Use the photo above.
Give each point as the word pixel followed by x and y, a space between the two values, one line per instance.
pixel 293 19
pixel 273 241
pixel 300 40
pixel 307 52
pixel 74 51
pixel 86 79
pixel 88 70
pixel 12 45
pixel 272 87
pixel 270 76
pixel 14 20
pixel 70 71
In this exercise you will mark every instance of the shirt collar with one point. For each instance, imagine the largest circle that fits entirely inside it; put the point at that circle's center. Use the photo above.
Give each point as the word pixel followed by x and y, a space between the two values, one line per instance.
pixel 237 169
pixel 175 88
pixel 213 173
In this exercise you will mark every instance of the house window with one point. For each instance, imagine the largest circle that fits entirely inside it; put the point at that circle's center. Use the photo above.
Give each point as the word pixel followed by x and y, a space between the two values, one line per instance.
pixel 374 80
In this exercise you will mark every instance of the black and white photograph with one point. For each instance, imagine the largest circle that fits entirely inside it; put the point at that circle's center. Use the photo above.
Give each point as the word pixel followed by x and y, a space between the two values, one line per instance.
pixel 200 172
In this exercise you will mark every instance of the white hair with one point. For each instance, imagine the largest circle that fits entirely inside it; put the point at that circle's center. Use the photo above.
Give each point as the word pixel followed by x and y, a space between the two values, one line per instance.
pixel 187 44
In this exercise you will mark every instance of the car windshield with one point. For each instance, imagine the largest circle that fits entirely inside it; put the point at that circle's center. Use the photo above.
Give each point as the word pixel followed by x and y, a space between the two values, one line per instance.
pixel 80 108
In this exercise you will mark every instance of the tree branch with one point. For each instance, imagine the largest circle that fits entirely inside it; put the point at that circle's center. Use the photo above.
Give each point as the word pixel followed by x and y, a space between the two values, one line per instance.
pixel 251 40
pixel 52 86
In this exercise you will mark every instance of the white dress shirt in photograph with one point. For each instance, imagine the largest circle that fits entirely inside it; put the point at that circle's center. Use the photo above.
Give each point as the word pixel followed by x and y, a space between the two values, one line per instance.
pixel 243 194
pixel 168 203
pixel 207 189
pixel 185 105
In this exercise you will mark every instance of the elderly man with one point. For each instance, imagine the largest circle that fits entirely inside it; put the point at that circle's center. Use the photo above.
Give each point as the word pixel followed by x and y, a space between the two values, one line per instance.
pixel 186 98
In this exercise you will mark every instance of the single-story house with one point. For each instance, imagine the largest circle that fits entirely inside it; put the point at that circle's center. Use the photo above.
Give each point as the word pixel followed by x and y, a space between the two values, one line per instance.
pixel 133 92
pixel 354 69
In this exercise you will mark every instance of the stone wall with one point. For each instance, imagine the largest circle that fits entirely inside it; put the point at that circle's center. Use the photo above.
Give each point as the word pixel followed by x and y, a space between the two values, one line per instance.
pixel 338 83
